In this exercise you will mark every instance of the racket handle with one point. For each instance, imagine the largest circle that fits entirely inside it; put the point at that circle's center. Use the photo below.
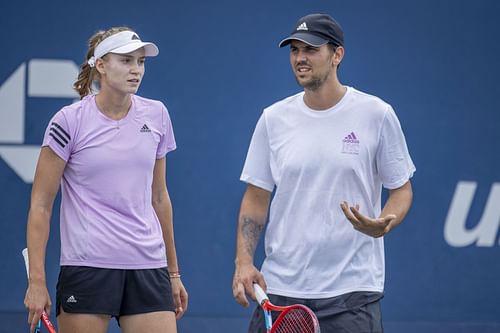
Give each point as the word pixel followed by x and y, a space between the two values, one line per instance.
pixel 44 317
pixel 26 261
pixel 260 295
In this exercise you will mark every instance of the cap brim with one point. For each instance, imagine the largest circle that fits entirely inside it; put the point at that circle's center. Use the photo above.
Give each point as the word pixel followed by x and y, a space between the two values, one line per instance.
pixel 304 37
pixel 151 50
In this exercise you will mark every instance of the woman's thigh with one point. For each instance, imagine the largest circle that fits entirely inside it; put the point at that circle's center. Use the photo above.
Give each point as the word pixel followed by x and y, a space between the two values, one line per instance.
pixel 82 322
pixel 151 322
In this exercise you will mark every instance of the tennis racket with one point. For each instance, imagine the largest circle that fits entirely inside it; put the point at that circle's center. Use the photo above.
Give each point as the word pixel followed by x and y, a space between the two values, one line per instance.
pixel 44 318
pixel 295 318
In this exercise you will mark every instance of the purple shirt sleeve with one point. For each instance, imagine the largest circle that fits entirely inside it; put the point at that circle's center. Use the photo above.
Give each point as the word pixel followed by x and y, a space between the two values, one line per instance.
pixel 167 141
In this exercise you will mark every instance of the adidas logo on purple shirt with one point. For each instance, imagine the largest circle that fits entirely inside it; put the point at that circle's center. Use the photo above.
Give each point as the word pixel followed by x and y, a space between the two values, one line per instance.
pixel 145 128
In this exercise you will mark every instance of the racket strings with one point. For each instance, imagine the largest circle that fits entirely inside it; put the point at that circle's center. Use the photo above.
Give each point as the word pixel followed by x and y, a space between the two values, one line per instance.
pixel 296 321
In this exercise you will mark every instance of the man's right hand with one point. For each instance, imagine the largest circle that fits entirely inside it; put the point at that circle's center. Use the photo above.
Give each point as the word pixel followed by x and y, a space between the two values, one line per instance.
pixel 245 275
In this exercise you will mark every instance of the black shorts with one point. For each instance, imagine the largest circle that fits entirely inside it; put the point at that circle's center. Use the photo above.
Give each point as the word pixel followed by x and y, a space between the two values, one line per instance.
pixel 357 312
pixel 115 292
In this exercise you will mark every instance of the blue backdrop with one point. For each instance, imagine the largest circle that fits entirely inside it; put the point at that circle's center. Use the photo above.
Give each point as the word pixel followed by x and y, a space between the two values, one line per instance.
pixel 435 61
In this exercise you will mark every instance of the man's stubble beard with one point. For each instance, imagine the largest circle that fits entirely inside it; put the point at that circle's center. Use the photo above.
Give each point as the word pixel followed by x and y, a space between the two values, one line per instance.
pixel 314 83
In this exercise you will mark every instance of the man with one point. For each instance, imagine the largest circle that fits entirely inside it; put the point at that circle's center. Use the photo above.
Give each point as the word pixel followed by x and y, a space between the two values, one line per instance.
pixel 326 152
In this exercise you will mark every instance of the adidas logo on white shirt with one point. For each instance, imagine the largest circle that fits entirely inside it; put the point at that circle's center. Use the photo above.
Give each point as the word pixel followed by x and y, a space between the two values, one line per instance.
pixel 71 299
pixel 350 144
pixel 302 26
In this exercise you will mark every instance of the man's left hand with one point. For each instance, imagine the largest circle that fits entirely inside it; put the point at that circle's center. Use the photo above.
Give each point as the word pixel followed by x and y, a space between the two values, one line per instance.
pixel 374 227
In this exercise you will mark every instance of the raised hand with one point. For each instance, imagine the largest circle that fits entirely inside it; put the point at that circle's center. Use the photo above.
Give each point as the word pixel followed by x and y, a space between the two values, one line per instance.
pixel 374 227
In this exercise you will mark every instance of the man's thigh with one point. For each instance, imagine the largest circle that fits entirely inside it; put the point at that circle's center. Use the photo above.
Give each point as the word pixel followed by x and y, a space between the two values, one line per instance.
pixel 363 319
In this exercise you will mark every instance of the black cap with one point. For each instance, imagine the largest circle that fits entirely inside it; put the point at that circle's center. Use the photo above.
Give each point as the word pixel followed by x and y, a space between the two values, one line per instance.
pixel 316 30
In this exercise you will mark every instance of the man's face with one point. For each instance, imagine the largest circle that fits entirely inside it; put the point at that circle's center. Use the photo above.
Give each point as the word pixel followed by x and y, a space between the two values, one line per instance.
pixel 311 65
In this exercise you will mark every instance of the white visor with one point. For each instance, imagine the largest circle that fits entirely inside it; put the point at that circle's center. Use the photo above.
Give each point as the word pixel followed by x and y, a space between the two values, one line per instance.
pixel 122 43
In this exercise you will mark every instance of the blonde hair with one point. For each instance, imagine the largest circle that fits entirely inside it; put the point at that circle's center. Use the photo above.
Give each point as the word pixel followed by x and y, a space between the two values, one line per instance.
pixel 87 74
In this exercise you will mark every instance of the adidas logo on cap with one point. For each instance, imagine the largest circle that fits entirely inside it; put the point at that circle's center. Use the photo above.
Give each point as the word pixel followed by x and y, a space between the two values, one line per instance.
pixel 302 26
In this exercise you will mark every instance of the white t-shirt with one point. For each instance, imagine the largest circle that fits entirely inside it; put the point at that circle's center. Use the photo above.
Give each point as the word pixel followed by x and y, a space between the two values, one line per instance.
pixel 316 160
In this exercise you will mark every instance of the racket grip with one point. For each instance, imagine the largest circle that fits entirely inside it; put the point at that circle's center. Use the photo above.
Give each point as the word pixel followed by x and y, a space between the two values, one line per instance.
pixel 260 295
pixel 44 317
pixel 26 261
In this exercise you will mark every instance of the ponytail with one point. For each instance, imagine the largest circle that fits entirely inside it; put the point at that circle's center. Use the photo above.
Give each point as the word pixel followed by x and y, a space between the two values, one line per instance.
pixel 87 74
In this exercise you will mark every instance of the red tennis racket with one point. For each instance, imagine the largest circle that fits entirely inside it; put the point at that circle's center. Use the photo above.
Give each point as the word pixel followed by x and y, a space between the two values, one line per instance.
pixel 295 318
pixel 44 318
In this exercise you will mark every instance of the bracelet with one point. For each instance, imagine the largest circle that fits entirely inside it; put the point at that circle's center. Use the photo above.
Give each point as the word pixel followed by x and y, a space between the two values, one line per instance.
pixel 174 275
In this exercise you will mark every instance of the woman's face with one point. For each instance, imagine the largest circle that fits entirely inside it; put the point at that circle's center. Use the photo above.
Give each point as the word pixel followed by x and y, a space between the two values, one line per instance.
pixel 122 72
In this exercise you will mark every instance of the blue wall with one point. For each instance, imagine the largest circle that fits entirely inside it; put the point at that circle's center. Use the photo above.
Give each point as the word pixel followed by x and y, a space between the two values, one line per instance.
pixel 435 61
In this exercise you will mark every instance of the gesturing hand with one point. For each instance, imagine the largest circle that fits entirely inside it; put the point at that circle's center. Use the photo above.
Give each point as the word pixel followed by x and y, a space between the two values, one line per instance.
pixel 374 227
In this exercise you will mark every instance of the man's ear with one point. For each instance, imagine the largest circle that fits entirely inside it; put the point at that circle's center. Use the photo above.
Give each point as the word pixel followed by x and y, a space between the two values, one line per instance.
pixel 338 55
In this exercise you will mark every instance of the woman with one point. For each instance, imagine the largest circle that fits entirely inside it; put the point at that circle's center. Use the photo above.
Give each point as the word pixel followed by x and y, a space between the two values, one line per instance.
pixel 108 152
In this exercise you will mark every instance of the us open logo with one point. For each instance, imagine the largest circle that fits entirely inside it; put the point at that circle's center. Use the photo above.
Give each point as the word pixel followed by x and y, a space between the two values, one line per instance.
pixel 45 78
pixel 485 232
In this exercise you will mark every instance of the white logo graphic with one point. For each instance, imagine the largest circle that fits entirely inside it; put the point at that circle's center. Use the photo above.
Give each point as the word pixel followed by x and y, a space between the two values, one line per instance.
pixel 485 232
pixel 302 26
pixel 46 78
pixel 71 299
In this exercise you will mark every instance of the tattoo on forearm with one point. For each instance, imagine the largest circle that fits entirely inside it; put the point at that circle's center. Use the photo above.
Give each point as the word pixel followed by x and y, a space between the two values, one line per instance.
pixel 250 230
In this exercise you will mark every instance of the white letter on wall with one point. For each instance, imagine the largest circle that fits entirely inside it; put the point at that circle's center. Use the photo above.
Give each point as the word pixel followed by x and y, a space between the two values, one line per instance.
pixel 485 232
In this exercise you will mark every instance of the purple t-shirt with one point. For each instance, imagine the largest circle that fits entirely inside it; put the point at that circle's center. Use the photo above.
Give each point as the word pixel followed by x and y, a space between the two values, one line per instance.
pixel 107 218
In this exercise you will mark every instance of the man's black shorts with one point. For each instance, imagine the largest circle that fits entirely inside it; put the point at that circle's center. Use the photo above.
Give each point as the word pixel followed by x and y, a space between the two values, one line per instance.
pixel 356 312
